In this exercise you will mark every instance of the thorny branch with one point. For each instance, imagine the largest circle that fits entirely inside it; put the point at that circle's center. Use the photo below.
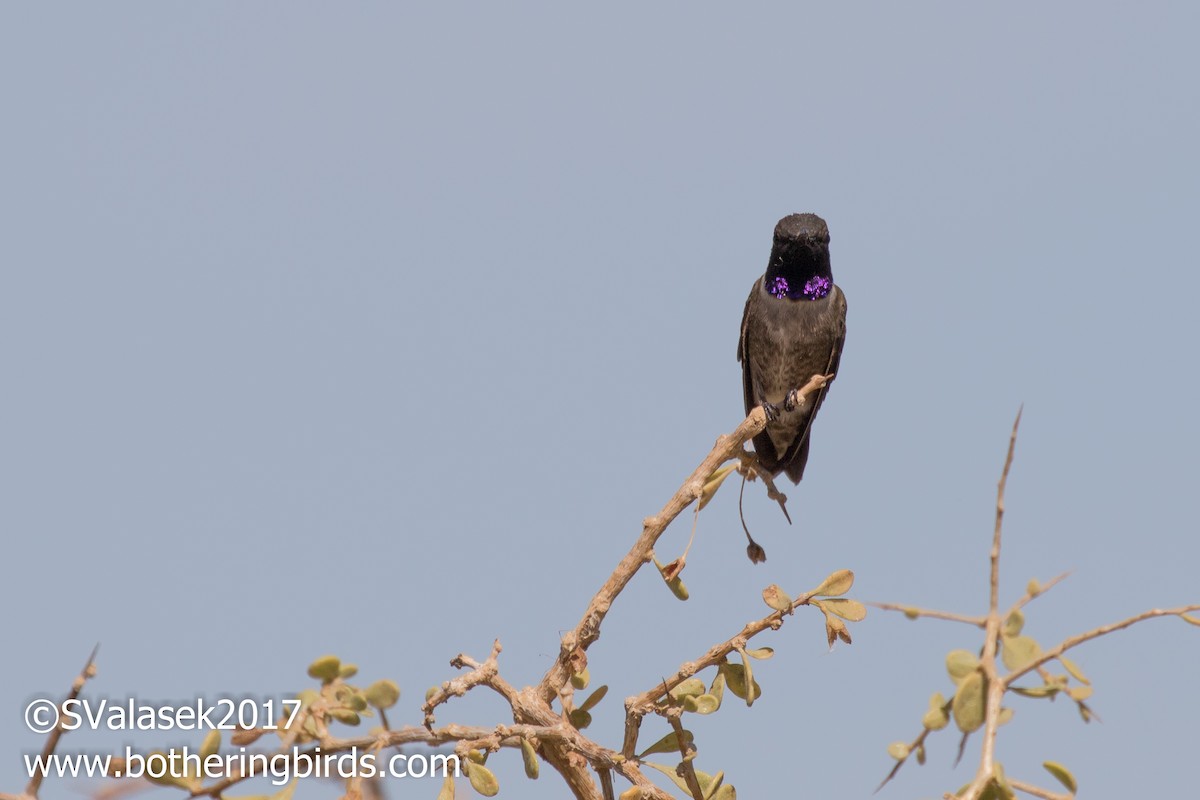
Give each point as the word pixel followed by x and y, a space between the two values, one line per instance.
pixel 996 684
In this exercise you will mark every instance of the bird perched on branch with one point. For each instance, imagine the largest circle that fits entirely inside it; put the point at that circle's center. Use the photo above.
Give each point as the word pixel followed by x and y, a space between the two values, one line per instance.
pixel 793 328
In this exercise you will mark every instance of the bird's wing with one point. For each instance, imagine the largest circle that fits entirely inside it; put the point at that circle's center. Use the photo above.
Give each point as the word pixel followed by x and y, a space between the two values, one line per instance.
pixel 743 353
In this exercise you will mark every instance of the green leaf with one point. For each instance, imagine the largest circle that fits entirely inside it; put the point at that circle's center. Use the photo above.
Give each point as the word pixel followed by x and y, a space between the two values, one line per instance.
pixel 482 780
pixel 935 719
pixel 752 692
pixel 1076 673
pixel 347 671
pixel 1018 651
pixel 325 668
pixel 1013 624
pixel 762 653
pixel 1033 588
pixel 1062 774
pixel 899 750
pixel 1003 789
pixel 353 699
pixel 529 757
pixel 692 687
pixel 846 608
pixel 713 483
pixel 717 688
pixel 580 679
pixel 837 583
pixel 960 664
pixel 580 718
pixel 668 743
pixel 1044 690
pixel 382 694
pixel 706 704
pixel 678 588
pixel 447 791
pixel 969 703
pixel 708 783
pixel 167 778
pixel 598 695
pixel 725 792
pixel 1190 619
pixel 1079 692
pixel 345 715
pixel 735 679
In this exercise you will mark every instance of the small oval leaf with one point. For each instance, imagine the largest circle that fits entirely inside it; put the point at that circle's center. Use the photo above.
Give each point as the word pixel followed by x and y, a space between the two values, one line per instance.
pixel 482 780
pixel 1018 651
pixel 960 664
pixel 598 695
pixel 325 668
pixel 1063 775
pixel 382 694
pixel 776 598
pixel 837 583
pixel 530 759
pixel 846 608
pixel 968 706
pixel 1013 624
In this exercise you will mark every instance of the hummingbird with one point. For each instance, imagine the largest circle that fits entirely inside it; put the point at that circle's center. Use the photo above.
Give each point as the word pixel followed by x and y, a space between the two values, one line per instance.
pixel 793 328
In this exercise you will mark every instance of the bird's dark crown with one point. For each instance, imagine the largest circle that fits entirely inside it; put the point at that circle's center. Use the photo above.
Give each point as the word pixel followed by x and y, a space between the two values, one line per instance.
pixel 802 227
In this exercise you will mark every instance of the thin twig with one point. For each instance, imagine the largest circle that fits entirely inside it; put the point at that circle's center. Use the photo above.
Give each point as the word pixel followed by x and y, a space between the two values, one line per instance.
pixel 485 674
pixel 89 670
pixel 914 612
pixel 1037 791
pixel 1027 597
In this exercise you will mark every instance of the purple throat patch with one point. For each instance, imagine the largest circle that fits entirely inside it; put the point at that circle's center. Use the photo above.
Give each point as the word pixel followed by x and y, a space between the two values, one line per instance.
pixel 814 288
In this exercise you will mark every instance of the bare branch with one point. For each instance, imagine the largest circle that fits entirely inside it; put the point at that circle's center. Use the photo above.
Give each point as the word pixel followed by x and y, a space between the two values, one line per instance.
pixel 587 631
pixel 485 674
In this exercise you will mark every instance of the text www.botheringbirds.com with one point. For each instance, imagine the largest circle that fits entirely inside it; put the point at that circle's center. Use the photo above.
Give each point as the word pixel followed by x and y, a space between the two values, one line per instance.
pixel 183 764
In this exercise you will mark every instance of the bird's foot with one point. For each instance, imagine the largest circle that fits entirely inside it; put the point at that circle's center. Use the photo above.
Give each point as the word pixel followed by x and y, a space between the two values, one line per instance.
pixel 791 401
pixel 771 410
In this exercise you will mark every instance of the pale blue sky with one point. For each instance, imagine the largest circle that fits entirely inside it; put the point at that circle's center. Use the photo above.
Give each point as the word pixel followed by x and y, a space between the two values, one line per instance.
pixel 373 330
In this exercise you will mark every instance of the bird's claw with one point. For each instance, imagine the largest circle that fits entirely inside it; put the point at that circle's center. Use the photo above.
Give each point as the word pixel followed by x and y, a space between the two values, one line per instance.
pixel 791 401
pixel 771 410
